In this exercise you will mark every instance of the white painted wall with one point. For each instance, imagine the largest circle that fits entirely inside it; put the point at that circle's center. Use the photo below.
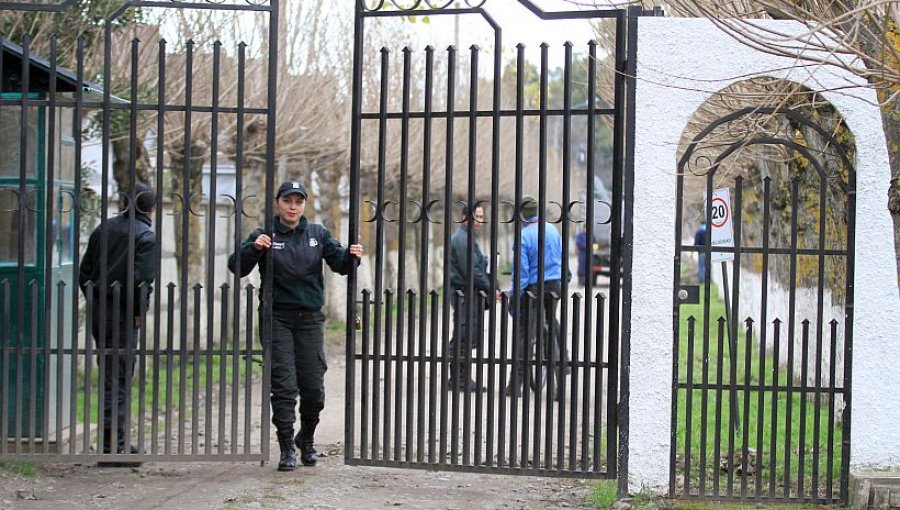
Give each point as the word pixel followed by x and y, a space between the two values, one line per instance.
pixel 681 62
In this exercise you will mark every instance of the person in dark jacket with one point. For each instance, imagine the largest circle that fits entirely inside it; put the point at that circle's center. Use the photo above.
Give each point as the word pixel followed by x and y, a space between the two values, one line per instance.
pixel 298 249
pixel 117 302
pixel 465 338
pixel 582 245
pixel 700 240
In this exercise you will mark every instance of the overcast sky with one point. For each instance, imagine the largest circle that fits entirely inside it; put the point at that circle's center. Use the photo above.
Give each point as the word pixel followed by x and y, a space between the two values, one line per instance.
pixel 519 25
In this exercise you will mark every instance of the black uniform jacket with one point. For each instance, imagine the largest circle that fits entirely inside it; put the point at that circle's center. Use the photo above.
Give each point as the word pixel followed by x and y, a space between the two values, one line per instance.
pixel 459 263
pixel 297 256
pixel 116 269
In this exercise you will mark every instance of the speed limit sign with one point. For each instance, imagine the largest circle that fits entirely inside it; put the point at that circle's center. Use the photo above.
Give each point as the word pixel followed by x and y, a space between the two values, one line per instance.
pixel 721 230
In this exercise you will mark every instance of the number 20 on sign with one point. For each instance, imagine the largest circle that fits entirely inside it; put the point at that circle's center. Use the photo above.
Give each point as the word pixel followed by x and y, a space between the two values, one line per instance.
pixel 721 229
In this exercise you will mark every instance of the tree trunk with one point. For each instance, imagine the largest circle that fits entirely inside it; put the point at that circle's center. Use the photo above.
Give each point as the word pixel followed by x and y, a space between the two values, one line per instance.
pixel 121 145
pixel 888 93
pixel 198 153
pixel 253 169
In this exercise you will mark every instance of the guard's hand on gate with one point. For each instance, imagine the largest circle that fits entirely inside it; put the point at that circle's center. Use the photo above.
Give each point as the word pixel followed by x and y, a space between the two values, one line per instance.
pixel 356 250
pixel 262 242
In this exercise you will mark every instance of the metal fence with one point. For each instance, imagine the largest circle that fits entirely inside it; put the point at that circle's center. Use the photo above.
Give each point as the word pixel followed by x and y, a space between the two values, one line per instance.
pixel 401 408
pixel 761 370
pixel 187 372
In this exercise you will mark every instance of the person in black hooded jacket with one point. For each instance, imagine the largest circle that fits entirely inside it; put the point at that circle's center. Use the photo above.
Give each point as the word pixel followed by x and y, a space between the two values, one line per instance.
pixel 298 249
pixel 116 313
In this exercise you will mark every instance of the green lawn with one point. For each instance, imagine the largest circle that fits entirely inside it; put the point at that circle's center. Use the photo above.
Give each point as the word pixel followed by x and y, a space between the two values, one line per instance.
pixel 176 379
pixel 741 377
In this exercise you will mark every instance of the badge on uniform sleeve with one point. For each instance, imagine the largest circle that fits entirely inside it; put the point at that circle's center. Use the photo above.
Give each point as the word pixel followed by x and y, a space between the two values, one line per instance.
pixel 313 242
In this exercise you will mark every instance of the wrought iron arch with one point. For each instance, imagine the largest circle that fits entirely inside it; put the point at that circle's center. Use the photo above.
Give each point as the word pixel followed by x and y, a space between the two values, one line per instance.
pixel 792 114
pixel 809 465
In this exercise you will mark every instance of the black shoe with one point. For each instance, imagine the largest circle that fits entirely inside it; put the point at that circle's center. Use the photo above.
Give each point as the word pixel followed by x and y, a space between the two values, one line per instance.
pixel 513 390
pixel 132 449
pixel 463 386
pixel 308 454
pixel 304 441
pixel 288 460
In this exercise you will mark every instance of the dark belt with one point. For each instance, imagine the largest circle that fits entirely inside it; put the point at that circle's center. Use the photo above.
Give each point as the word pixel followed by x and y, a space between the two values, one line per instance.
pixel 295 311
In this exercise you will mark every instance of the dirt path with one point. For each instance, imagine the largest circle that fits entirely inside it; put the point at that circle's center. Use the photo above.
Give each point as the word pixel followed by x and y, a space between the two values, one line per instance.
pixel 330 485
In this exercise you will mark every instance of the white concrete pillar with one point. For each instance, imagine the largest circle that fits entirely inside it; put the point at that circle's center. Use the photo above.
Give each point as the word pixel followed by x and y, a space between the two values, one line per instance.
pixel 681 63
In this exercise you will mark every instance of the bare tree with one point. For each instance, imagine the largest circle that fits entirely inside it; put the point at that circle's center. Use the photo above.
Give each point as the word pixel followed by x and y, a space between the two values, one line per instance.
pixel 858 36
pixel 131 73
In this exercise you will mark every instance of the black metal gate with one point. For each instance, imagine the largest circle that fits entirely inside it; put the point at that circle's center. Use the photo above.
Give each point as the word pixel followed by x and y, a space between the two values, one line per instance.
pixel 198 382
pixel 423 144
pixel 761 375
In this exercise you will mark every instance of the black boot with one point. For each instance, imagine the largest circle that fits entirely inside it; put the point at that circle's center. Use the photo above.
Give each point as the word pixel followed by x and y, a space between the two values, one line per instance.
pixel 463 383
pixel 515 390
pixel 288 461
pixel 120 449
pixel 304 441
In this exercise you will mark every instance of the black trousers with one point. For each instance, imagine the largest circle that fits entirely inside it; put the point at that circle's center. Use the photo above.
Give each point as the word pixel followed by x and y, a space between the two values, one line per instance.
pixel 114 344
pixel 466 336
pixel 298 366
pixel 530 320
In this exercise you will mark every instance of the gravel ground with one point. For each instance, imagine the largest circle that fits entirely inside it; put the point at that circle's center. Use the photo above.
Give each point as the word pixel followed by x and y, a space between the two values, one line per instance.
pixel 329 485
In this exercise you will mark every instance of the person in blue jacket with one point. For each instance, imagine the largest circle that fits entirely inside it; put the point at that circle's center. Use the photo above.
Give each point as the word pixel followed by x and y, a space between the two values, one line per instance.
pixel 298 249
pixel 528 282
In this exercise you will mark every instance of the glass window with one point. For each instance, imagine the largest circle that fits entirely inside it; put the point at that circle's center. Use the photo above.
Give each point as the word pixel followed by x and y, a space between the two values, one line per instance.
pixel 65 170
pixel 63 226
pixel 10 141
pixel 9 226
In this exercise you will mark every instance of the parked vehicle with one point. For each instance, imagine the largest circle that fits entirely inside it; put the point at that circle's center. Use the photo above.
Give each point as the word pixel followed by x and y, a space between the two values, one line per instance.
pixel 601 249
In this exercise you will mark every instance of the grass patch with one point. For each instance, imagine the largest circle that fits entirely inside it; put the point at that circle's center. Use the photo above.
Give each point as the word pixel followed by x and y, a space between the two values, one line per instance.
pixel 706 505
pixel 604 494
pixel 19 468
pixel 644 501
pixel 335 325
pixel 741 378
pixel 174 376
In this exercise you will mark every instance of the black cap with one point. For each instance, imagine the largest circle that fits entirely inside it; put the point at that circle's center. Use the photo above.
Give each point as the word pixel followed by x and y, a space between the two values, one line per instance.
pixel 145 198
pixel 291 188
pixel 529 207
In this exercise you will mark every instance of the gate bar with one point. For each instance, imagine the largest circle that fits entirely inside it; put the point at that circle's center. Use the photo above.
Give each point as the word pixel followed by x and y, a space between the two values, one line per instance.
pixel 628 236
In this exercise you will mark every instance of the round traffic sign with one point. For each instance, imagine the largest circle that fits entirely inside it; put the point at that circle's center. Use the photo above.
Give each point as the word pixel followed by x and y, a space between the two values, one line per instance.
pixel 719 212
